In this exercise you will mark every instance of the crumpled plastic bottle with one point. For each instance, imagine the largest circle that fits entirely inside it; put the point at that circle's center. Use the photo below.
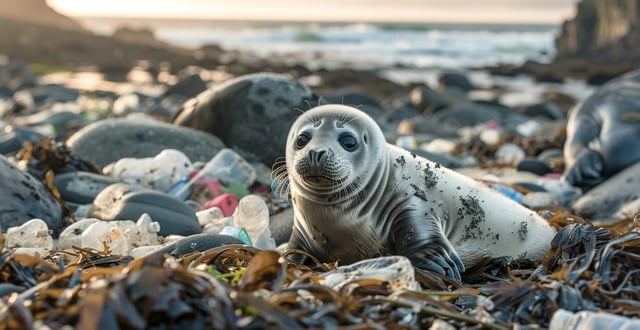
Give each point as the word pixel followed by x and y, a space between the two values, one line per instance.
pixel 252 214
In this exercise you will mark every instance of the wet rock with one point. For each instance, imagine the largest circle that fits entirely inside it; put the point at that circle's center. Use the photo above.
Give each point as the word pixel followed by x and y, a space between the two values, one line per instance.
pixel 399 107
pixel 193 243
pixel 544 110
pixel 109 140
pixel 454 79
pixel 188 87
pixel 12 137
pixel 23 198
pixel 446 123
pixel 49 94
pixel 615 199
pixel 427 101
pixel 81 187
pixel 252 114
pixel 125 202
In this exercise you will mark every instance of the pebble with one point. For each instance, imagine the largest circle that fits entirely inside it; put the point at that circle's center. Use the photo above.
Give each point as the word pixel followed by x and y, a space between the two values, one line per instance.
pixel 107 141
pixel 121 202
pixel 81 187
pixel 23 198
pixel 12 138
pixel 193 243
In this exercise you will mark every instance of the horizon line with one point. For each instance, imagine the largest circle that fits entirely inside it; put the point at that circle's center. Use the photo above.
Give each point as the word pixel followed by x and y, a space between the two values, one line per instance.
pixel 289 20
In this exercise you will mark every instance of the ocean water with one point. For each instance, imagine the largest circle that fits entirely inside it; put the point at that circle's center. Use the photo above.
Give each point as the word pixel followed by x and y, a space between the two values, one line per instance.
pixel 444 46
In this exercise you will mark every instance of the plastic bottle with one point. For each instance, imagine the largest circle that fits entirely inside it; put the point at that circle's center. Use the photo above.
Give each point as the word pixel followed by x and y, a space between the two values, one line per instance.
pixel 32 234
pixel 226 165
pixel 141 233
pixel 586 320
pixel 209 215
pixel 237 232
pixel 107 232
pixel 252 214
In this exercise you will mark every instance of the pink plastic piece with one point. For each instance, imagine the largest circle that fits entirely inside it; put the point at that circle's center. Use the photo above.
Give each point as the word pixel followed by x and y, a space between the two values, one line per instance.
pixel 226 202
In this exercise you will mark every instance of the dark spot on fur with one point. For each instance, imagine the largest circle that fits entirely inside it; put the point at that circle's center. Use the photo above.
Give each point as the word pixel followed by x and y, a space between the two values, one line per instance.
pixel 413 154
pixel 430 179
pixel 523 231
pixel 400 160
pixel 471 210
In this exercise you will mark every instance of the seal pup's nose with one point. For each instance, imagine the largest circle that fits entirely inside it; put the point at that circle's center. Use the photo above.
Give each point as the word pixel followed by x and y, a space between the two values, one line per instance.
pixel 316 156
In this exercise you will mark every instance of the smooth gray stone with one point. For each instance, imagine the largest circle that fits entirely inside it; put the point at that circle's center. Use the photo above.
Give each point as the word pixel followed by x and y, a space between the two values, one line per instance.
pixel 126 202
pixel 190 86
pixel 81 187
pixel 454 79
pixel 543 109
pixel 109 140
pixel 252 114
pixel 23 198
pixel 12 137
pixel 194 243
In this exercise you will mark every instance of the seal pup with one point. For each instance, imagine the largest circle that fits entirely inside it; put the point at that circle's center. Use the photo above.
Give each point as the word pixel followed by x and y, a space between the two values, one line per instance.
pixel 355 197
pixel 603 133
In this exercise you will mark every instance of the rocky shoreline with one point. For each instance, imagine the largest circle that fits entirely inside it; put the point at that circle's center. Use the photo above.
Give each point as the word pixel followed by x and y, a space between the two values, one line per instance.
pixel 158 170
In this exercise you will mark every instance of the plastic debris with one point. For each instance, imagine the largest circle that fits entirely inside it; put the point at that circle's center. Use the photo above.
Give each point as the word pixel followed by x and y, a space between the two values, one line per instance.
pixel 161 172
pixel 252 214
pixel 32 234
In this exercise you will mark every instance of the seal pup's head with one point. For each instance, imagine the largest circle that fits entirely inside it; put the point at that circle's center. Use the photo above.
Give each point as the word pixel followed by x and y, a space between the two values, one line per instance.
pixel 332 151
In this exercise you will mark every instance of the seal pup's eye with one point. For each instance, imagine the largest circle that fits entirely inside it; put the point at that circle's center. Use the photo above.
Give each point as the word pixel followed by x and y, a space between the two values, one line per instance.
pixel 348 142
pixel 302 140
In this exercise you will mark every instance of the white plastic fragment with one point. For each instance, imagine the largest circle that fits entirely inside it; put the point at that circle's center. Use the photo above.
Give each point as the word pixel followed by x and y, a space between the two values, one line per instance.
pixel 396 270
pixel 160 172
pixel 95 233
pixel 32 234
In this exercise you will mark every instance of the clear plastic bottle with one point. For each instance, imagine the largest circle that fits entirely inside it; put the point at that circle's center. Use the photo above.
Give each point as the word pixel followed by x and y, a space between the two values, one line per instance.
pixel 226 165
pixel 587 320
pixel 252 214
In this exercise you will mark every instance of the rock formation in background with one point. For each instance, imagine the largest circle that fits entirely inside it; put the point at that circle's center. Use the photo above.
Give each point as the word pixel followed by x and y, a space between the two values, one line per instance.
pixel 602 31
pixel 36 11
pixel 600 43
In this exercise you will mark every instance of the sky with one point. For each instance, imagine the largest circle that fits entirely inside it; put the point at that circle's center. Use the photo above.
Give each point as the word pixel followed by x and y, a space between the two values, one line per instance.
pixel 487 11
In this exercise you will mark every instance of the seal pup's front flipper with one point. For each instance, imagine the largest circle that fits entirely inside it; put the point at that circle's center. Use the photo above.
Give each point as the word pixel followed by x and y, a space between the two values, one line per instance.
pixel 421 239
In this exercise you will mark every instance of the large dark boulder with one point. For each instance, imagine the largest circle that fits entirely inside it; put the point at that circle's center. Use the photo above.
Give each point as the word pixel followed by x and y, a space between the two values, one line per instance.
pixel 252 114
pixel 23 198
